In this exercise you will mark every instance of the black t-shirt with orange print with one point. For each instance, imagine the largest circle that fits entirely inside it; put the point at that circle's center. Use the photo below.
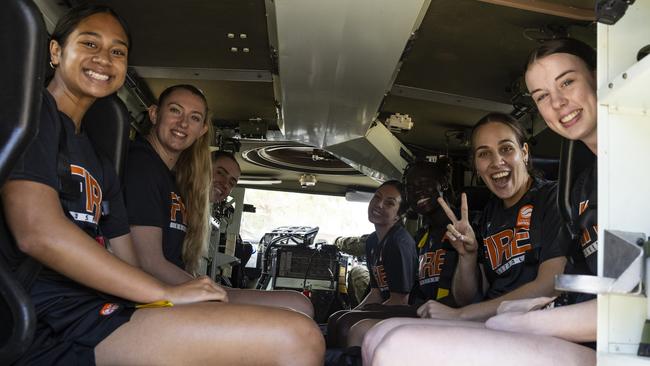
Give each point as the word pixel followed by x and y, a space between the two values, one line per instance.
pixel 153 199
pixel 514 241
pixel 437 264
pixel 583 203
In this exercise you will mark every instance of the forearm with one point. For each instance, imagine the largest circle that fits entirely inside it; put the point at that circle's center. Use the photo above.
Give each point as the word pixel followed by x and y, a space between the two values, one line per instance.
pixel 165 271
pixel 397 298
pixel 465 282
pixel 483 310
pixel 148 244
pixel 37 222
pixel 575 323
pixel 71 252
pixel 122 247
pixel 373 297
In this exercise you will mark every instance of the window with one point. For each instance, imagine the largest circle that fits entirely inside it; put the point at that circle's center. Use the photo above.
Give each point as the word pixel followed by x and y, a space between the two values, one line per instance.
pixel 332 214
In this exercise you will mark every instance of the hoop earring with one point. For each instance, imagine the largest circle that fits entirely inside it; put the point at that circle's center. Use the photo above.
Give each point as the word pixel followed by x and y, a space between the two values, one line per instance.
pixel 52 66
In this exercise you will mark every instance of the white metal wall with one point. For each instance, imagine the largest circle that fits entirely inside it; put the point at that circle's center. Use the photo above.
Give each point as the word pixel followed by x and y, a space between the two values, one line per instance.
pixel 623 169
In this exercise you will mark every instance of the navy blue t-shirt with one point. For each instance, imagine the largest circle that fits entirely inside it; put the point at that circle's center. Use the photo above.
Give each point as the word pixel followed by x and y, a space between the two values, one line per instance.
pixel 393 262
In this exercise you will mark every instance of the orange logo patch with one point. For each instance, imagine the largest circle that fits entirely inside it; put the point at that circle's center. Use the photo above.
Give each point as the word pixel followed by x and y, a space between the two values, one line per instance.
pixel 108 309
pixel 523 218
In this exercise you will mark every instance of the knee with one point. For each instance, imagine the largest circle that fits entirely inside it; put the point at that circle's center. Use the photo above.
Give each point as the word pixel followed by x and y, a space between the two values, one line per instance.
pixel 390 348
pixel 299 302
pixel 357 333
pixel 375 335
pixel 384 326
pixel 305 338
pixel 304 304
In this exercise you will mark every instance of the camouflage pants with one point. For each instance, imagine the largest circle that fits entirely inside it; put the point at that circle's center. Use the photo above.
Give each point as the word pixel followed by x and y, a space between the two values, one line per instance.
pixel 358 281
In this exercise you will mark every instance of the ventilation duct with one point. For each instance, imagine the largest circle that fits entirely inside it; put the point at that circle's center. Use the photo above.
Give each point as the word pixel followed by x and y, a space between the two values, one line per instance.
pixel 337 59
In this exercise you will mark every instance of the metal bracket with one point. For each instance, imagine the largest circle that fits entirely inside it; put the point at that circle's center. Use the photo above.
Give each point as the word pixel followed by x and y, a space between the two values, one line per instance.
pixel 622 269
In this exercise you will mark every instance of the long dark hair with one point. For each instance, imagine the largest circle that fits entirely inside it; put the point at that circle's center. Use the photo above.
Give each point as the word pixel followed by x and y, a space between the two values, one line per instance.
pixel 400 188
pixel 69 21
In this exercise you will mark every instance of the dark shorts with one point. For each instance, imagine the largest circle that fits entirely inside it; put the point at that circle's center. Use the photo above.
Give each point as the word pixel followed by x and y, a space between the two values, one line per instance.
pixel 71 321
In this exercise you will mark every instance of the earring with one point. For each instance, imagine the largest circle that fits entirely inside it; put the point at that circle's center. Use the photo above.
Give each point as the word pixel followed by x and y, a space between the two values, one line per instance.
pixel 52 66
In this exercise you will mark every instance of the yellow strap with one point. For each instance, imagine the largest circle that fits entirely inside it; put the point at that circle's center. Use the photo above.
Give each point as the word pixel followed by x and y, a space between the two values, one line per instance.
pixel 423 241
pixel 442 292
pixel 156 304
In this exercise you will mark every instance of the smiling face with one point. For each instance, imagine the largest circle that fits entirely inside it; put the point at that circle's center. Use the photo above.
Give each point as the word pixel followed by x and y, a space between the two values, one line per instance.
pixel 225 174
pixel 178 121
pixel 383 209
pixel 564 90
pixel 93 61
pixel 501 162
pixel 423 187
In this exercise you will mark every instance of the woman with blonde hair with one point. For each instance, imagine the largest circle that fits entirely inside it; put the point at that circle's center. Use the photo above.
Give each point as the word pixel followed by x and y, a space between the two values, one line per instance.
pixel 168 183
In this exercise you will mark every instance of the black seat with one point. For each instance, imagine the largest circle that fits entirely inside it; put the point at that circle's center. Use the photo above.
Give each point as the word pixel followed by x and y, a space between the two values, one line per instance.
pixel 549 168
pixel 107 125
pixel 22 33
pixel 575 157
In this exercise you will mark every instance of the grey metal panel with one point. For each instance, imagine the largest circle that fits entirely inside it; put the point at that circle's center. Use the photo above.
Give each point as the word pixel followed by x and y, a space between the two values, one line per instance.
pixel 200 73
pixel 337 60
pixel 451 99
pixel 377 155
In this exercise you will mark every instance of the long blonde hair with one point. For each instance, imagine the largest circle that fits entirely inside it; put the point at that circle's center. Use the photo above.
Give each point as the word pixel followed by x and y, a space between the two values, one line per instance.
pixel 194 178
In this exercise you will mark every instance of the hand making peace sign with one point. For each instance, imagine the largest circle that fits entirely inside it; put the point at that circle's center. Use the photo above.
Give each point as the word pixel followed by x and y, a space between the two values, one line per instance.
pixel 460 232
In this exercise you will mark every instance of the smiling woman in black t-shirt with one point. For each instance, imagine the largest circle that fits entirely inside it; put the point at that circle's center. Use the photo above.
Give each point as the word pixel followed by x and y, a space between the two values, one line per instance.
pixel 561 78
pixel 518 246
pixel 392 262
pixel 85 296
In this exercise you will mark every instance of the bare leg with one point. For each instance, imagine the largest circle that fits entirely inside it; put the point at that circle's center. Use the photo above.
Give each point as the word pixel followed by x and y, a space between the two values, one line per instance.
pixel 214 334
pixel 419 344
pixel 293 300
pixel 359 330
pixel 377 333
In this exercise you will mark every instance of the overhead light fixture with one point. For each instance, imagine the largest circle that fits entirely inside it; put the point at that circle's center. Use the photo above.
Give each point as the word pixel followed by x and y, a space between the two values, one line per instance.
pixel 307 180
pixel 399 122
pixel 258 181
pixel 353 195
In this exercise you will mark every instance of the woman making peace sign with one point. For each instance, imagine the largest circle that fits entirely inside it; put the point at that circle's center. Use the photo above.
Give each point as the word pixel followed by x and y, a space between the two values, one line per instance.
pixel 517 246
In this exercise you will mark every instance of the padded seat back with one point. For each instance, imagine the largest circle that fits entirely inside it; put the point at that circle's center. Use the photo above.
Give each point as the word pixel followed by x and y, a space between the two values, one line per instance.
pixel 23 35
pixel 107 125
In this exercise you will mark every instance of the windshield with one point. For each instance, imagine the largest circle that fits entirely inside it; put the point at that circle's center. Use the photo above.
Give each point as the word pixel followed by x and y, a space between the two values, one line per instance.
pixel 332 214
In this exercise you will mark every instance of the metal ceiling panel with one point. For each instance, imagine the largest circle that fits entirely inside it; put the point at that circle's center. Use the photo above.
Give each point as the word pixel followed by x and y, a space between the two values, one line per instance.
pixel 337 59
